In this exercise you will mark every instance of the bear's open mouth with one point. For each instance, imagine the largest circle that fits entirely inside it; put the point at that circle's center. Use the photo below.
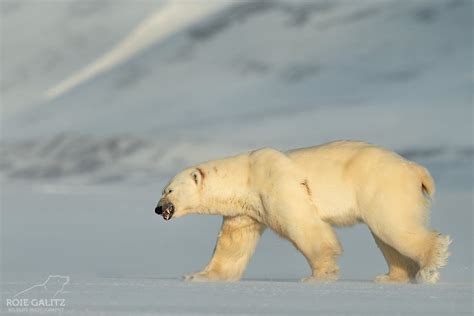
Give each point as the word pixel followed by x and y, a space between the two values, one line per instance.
pixel 168 212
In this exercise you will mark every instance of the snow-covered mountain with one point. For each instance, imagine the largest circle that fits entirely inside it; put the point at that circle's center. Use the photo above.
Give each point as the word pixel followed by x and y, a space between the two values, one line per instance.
pixel 232 77
pixel 43 42
pixel 83 159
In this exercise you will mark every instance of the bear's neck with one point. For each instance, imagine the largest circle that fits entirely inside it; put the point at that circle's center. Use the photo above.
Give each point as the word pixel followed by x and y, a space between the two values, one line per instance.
pixel 226 187
pixel 238 202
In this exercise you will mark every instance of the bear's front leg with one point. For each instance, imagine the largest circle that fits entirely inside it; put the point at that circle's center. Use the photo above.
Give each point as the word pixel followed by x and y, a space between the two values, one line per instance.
pixel 287 199
pixel 318 243
pixel 235 245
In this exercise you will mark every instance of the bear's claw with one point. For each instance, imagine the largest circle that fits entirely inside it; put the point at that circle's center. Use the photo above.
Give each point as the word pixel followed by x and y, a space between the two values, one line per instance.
pixel 196 277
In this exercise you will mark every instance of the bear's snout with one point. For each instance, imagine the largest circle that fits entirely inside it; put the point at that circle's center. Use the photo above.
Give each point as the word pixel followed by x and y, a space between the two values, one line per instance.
pixel 166 209
pixel 159 209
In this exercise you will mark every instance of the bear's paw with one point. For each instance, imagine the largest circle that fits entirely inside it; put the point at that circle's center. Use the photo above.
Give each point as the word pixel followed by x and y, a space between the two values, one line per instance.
pixel 331 277
pixel 387 279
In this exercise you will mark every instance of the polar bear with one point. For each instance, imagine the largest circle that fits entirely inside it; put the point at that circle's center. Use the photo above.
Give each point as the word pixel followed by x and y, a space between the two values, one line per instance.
pixel 301 194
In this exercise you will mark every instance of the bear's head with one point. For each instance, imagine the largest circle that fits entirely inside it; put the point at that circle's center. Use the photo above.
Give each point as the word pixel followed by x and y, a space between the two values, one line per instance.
pixel 182 194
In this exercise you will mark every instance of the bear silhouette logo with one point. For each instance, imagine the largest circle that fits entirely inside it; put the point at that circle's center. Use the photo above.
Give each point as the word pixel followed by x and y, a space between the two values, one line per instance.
pixel 51 288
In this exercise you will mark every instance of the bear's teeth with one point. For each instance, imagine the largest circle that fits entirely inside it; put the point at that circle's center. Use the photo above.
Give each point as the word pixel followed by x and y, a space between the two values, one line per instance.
pixel 167 214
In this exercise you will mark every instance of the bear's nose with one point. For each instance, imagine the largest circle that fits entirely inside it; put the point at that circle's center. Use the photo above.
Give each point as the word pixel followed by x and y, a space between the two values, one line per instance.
pixel 159 210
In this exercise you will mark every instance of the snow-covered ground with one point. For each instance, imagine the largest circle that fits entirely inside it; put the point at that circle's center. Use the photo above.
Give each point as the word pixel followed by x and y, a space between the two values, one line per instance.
pixel 100 112
pixel 139 296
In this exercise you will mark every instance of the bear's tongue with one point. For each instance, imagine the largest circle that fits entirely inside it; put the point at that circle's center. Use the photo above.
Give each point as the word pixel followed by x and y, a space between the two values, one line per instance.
pixel 168 212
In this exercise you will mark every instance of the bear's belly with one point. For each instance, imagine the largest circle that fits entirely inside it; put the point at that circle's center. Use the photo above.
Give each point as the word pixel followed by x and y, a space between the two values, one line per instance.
pixel 341 218
pixel 337 207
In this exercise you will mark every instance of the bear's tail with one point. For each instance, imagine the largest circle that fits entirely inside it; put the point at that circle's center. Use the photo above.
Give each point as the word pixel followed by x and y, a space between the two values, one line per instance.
pixel 427 182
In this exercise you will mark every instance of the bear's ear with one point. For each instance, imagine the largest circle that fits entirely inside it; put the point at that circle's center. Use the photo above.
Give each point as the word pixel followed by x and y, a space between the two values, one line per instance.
pixel 197 176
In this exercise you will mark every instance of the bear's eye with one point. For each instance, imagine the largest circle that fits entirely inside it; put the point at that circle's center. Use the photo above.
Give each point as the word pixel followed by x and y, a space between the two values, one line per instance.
pixel 195 178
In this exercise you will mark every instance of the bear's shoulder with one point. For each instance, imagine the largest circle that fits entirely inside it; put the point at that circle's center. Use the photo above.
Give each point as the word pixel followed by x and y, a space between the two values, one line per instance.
pixel 265 151
pixel 267 155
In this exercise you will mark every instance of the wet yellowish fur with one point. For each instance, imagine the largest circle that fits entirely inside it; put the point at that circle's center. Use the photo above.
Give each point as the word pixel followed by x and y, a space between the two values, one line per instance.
pixel 301 194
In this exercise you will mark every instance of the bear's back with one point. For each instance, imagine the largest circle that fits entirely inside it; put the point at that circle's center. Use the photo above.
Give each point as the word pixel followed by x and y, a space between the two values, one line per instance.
pixel 333 152
pixel 337 158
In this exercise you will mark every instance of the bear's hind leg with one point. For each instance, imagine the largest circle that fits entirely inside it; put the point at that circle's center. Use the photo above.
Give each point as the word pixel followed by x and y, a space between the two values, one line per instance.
pixel 401 269
pixel 398 216
pixel 437 258
pixel 235 245
pixel 413 240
